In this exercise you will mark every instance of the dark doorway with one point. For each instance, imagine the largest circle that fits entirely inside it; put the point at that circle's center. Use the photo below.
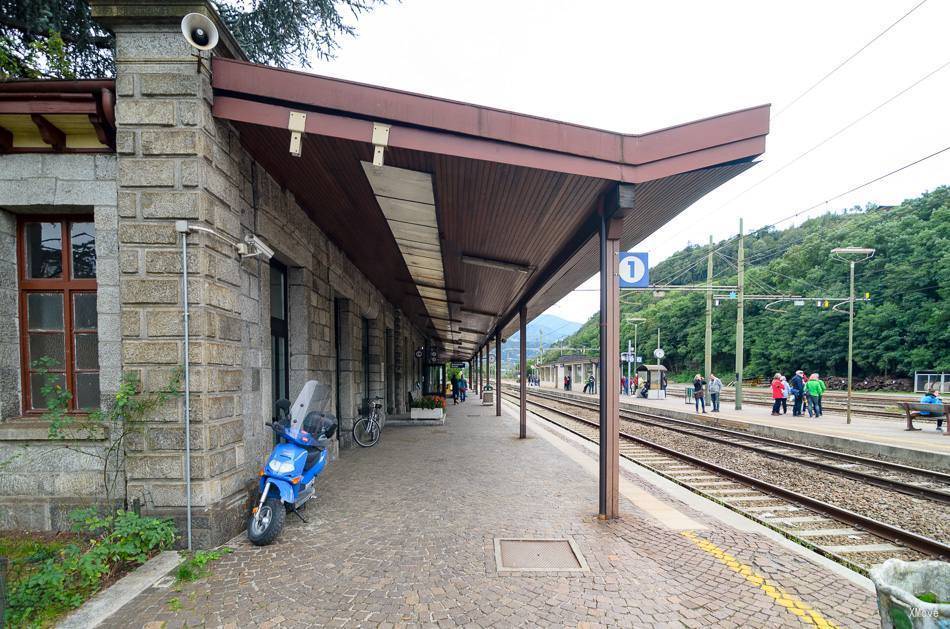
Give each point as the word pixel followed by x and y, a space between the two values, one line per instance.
pixel 365 360
pixel 390 372
pixel 337 352
pixel 280 359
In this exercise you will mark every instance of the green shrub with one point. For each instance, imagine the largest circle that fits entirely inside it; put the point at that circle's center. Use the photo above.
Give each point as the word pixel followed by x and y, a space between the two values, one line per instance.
pixel 64 581
pixel 429 402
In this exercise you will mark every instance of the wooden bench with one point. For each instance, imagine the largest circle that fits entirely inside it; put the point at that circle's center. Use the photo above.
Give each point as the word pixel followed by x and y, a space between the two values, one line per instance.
pixel 913 411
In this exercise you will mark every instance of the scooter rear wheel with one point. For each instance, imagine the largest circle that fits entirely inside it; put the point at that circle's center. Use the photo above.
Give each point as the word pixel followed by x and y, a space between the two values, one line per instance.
pixel 264 526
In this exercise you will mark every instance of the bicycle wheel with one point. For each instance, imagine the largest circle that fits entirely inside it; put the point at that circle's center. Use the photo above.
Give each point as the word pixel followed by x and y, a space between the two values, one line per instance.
pixel 366 432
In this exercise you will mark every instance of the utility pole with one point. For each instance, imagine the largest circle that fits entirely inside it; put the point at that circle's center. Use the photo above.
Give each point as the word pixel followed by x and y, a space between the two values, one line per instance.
pixel 845 255
pixel 740 319
pixel 658 344
pixel 636 327
pixel 850 338
pixel 629 360
pixel 709 303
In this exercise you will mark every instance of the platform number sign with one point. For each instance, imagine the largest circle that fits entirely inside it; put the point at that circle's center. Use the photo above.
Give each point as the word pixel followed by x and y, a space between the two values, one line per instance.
pixel 634 270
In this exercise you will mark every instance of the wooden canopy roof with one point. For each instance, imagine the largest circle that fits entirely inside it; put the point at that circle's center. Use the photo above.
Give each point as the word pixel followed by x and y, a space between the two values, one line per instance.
pixel 516 198
pixel 53 116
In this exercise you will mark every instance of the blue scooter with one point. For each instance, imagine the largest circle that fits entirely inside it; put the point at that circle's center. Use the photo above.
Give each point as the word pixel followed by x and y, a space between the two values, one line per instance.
pixel 288 477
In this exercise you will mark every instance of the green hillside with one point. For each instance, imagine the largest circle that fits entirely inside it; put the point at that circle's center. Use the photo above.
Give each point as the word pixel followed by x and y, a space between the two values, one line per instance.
pixel 905 327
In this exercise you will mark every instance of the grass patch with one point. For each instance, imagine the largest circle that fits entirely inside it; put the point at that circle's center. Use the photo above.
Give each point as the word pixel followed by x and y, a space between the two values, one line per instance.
pixel 196 565
pixel 51 574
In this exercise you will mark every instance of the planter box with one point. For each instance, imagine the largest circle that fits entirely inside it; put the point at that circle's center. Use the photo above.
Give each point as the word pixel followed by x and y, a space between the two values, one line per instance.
pixel 898 581
pixel 427 413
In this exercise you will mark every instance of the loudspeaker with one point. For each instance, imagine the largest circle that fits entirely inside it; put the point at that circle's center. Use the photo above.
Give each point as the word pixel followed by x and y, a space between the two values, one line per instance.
pixel 199 31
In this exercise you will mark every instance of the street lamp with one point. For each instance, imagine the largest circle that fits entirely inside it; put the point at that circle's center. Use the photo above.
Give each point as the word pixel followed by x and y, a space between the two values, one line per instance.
pixel 632 351
pixel 851 255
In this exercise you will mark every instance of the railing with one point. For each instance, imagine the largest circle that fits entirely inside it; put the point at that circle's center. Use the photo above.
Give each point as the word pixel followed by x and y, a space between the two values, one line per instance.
pixel 926 380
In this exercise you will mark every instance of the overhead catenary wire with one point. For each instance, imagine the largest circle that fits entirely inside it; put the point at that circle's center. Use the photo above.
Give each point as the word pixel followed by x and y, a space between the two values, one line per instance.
pixel 846 61
pixel 834 135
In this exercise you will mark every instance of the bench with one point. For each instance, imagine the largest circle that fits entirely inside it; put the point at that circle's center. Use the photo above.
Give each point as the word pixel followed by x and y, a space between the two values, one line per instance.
pixel 913 411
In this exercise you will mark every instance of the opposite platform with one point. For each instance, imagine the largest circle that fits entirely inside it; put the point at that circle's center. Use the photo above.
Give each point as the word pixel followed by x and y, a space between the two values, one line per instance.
pixel 403 534
pixel 885 438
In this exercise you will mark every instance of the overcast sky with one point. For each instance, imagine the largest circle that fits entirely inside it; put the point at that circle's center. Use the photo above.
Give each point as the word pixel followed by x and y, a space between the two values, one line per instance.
pixel 637 66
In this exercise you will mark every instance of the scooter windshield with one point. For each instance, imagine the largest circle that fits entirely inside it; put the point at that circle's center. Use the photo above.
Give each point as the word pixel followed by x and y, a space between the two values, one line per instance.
pixel 313 396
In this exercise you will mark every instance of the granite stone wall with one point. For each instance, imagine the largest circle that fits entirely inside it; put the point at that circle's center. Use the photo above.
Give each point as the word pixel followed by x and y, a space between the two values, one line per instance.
pixel 175 161
pixel 44 479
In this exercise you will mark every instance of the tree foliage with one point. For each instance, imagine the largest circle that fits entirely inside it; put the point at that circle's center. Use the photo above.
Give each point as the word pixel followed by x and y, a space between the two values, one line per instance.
pixel 904 328
pixel 52 39
pixel 59 38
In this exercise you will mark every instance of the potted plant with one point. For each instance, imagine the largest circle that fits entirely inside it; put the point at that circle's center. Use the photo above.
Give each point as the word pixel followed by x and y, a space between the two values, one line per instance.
pixel 429 407
pixel 913 594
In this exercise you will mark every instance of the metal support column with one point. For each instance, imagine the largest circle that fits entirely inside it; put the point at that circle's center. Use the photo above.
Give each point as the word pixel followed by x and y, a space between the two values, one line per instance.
pixel 477 361
pixel 740 319
pixel 523 382
pixel 709 306
pixel 611 230
pixel 497 373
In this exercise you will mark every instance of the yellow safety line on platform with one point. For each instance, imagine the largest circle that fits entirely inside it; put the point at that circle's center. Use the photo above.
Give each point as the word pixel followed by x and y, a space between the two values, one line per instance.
pixel 803 610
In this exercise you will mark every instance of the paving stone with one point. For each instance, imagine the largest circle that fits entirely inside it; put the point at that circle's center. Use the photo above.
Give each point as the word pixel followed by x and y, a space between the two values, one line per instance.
pixel 402 535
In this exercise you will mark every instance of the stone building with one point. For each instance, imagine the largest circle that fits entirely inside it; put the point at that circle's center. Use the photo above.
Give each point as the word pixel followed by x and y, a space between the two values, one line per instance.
pixel 578 366
pixel 408 231
pixel 91 273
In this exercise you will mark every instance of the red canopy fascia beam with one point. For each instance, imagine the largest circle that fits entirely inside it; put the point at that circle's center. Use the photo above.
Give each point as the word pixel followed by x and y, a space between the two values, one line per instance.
pixel 441 143
pixel 415 110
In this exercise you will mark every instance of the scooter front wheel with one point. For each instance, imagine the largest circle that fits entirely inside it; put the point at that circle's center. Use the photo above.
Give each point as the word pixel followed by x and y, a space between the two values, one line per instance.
pixel 264 526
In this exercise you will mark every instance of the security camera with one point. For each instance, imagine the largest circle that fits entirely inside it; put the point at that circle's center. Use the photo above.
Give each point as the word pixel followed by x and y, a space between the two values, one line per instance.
pixel 254 246
pixel 199 31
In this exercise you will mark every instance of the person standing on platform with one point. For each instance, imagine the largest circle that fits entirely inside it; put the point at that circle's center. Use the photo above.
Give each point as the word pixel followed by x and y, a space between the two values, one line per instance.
pixel 813 389
pixel 797 386
pixel 788 392
pixel 699 396
pixel 567 383
pixel 589 385
pixel 714 386
pixel 778 393
pixel 623 385
pixel 455 389
pixel 463 386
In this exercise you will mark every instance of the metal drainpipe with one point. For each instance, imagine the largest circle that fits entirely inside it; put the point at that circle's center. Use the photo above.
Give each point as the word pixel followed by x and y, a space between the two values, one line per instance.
pixel 184 291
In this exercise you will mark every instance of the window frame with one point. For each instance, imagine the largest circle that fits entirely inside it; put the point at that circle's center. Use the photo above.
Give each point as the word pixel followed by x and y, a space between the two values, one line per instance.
pixel 65 285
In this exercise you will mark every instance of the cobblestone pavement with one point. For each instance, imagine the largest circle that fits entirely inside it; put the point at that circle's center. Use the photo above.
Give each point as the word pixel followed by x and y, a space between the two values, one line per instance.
pixel 402 535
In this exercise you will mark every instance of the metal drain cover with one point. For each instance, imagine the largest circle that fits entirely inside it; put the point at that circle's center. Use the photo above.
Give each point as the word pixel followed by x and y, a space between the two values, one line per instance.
pixel 547 555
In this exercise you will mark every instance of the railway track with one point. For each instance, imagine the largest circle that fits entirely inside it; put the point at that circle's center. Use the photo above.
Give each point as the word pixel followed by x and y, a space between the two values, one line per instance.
pixel 906 479
pixel 848 537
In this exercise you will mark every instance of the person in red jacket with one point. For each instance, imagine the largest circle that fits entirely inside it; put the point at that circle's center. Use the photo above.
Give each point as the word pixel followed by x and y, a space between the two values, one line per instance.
pixel 778 393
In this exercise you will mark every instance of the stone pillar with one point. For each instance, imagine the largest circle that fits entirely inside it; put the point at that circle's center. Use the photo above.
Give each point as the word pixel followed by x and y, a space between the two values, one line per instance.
pixel 176 162
pixel 399 364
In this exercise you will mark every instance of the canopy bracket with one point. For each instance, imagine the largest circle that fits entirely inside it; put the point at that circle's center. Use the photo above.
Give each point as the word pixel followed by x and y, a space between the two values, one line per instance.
pixel 297 125
pixel 380 142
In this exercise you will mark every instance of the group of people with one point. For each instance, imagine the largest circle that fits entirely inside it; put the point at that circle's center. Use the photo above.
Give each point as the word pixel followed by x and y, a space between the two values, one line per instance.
pixel 589 386
pixel 628 386
pixel 701 386
pixel 805 392
pixel 459 387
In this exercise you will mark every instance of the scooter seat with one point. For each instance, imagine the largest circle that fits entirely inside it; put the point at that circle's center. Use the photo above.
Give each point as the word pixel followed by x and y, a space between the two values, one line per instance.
pixel 313 455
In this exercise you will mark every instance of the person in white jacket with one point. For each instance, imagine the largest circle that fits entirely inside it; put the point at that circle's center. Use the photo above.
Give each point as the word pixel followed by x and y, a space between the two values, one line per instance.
pixel 714 386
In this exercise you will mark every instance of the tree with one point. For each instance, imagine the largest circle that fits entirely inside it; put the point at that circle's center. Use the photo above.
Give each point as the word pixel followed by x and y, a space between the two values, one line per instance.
pixel 905 327
pixel 60 39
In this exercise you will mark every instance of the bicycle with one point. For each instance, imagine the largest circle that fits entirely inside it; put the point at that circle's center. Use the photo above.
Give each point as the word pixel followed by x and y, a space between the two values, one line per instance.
pixel 366 429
